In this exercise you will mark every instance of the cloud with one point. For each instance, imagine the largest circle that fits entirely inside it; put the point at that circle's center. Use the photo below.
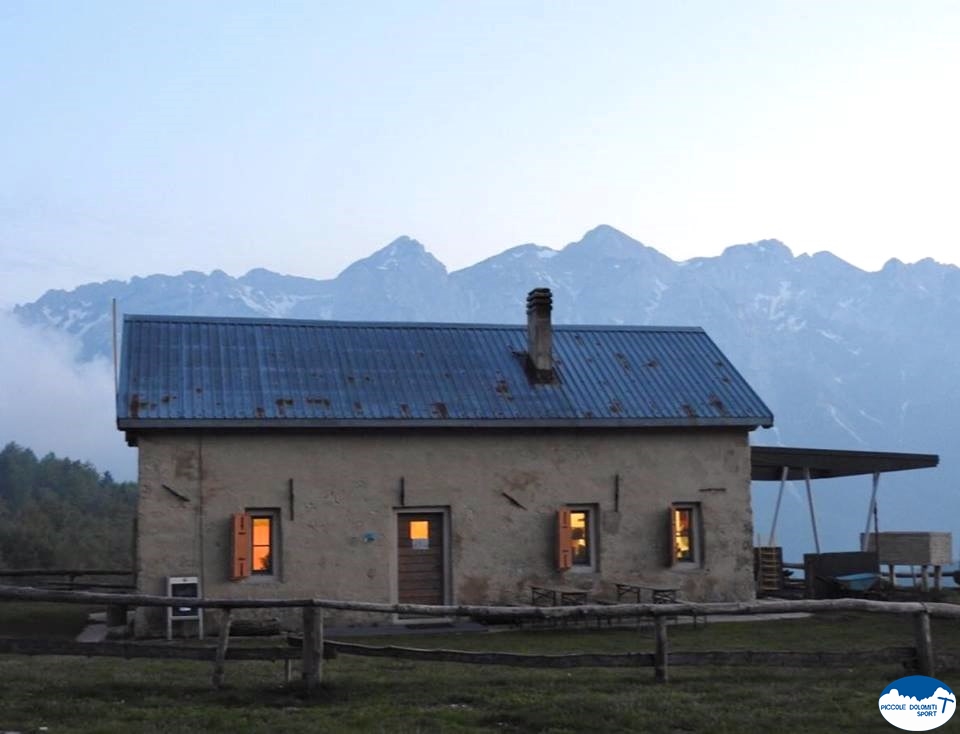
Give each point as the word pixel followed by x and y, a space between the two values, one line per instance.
pixel 51 403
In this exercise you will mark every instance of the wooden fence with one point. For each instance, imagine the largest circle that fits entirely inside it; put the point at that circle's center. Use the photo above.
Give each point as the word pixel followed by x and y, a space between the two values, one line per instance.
pixel 314 647
pixel 70 579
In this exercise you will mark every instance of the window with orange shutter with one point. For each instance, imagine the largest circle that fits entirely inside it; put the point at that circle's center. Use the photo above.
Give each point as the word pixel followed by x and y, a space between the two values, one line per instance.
pixel 255 544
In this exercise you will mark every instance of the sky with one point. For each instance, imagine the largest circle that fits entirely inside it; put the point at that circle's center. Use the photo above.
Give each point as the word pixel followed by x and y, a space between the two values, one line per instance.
pixel 145 137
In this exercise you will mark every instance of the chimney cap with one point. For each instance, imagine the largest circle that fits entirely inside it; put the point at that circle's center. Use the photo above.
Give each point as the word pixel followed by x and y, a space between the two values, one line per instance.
pixel 539 297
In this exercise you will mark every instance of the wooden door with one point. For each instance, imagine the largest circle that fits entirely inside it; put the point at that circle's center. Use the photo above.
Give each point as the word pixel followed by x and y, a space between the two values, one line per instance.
pixel 420 558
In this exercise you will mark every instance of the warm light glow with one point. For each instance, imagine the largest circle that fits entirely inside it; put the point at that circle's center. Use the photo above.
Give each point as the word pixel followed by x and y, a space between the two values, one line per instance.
pixel 580 537
pixel 262 545
pixel 682 534
pixel 261 531
pixel 419 530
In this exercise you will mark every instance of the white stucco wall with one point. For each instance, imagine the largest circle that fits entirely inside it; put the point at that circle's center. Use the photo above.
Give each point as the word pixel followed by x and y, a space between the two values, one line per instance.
pixel 338 536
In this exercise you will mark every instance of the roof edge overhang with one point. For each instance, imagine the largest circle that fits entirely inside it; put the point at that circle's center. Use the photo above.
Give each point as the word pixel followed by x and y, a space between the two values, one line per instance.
pixel 768 462
pixel 396 325
pixel 145 424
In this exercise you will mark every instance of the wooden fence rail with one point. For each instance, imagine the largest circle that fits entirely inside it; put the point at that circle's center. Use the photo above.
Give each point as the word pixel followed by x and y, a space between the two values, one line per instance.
pixel 315 648
pixel 70 579
pixel 272 653
pixel 494 613
pixel 70 572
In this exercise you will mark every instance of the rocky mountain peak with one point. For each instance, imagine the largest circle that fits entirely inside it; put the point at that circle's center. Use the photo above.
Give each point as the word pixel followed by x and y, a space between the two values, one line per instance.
pixel 771 251
pixel 404 253
pixel 606 242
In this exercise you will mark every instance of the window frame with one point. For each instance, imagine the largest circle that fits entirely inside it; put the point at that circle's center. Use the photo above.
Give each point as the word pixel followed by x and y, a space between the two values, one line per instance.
pixel 694 532
pixel 271 546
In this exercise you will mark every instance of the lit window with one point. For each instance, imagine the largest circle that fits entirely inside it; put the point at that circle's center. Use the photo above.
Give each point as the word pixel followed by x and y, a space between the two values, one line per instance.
pixel 576 538
pixel 420 534
pixel 255 543
pixel 685 534
pixel 580 537
pixel 262 544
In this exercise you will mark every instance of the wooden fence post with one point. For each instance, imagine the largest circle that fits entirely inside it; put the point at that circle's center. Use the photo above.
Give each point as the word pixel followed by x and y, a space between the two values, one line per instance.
pixel 312 648
pixel 662 649
pixel 222 643
pixel 921 630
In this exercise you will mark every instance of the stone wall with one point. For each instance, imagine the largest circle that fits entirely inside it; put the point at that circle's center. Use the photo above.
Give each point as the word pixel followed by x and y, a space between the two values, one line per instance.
pixel 337 496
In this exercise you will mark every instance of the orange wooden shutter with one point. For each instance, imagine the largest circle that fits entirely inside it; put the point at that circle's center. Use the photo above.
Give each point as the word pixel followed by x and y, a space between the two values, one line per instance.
pixel 240 556
pixel 564 540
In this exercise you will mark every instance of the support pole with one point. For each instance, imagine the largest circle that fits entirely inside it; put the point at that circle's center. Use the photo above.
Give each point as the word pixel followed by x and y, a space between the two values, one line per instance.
pixel 660 672
pixel 222 643
pixel 776 509
pixel 921 629
pixel 871 515
pixel 291 497
pixel 312 648
pixel 813 514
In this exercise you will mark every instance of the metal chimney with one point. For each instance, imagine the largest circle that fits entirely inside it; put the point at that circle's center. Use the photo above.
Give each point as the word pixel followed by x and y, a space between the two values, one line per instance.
pixel 540 335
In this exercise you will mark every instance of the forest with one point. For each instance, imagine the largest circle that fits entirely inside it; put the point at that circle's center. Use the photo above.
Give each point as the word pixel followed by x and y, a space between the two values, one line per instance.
pixel 57 513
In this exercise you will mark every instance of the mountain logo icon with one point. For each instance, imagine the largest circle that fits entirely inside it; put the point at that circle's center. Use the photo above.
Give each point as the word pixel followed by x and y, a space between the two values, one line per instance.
pixel 917 703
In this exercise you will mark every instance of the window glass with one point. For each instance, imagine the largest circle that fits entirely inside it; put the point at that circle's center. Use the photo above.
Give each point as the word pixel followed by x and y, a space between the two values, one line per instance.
pixel 580 537
pixel 576 538
pixel 420 534
pixel 262 544
pixel 683 541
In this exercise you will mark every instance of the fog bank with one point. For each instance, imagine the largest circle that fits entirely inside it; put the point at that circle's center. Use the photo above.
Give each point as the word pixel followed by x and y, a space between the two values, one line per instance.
pixel 51 403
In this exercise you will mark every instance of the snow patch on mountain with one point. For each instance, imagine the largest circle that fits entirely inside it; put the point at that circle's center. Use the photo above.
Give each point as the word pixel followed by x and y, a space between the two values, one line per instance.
pixel 775 305
pixel 278 306
pixel 869 417
pixel 835 416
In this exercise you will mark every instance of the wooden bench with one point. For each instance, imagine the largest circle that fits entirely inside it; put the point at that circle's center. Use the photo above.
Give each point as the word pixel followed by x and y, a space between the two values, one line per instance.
pixel 557 596
pixel 656 594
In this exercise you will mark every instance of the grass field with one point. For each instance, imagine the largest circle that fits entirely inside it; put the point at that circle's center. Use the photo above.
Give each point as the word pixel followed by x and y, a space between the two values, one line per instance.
pixel 67 694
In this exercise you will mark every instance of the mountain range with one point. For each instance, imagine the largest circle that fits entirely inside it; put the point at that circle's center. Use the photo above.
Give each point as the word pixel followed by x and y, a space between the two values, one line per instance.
pixel 845 358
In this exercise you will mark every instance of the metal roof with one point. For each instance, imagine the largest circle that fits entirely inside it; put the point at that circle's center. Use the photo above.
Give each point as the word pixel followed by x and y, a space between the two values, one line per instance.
pixel 234 372
pixel 767 462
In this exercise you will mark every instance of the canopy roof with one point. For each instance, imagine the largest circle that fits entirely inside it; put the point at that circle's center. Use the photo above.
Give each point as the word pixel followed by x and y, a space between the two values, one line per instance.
pixel 767 462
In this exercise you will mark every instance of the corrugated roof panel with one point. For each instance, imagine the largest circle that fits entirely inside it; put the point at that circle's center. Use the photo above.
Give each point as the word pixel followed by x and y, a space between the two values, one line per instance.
pixel 178 370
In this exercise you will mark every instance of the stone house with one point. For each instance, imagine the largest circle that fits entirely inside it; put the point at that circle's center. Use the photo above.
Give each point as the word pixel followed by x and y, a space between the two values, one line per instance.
pixel 436 463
